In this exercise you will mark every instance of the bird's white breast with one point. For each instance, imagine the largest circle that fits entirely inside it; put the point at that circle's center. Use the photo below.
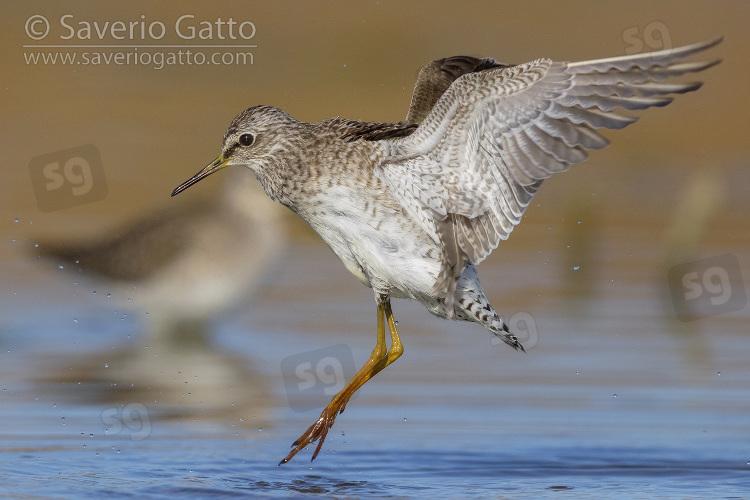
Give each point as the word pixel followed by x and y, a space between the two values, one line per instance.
pixel 377 249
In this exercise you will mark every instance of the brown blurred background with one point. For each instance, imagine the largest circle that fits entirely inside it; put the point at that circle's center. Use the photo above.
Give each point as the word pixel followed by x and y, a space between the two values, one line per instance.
pixel 155 128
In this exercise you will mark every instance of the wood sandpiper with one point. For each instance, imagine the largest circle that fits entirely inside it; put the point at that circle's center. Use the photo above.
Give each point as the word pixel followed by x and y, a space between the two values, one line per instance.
pixel 412 207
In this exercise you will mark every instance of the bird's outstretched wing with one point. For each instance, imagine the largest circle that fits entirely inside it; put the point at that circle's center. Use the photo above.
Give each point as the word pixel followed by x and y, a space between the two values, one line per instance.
pixel 470 170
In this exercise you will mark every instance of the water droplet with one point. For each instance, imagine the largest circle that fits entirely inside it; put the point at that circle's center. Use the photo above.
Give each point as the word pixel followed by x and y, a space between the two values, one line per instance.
pixel 614 395
pixel 61 267
pixel 75 320
pixel 91 435
pixel 106 365
pixel 718 374
pixel 109 295
pixel 260 429
pixel 15 220
pixel 404 419
pixel 94 292
pixel 396 323
pixel 576 268
pixel 577 372
pixel 579 222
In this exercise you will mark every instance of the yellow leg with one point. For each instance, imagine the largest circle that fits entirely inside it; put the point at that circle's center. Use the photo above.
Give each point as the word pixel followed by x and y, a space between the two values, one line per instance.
pixel 379 359
pixel 393 353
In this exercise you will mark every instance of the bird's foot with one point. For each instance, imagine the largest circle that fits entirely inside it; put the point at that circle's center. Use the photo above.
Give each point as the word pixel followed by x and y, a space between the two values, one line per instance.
pixel 316 431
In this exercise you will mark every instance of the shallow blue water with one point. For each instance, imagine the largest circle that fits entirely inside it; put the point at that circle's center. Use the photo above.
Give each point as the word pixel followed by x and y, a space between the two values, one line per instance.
pixel 196 464
pixel 614 403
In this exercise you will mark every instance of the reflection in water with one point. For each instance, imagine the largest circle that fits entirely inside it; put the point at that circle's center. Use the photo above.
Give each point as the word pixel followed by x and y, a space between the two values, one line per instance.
pixel 175 372
pixel 180 268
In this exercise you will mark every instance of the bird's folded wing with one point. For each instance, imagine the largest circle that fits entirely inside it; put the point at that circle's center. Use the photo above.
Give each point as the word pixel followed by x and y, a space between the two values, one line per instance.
pixel 490 140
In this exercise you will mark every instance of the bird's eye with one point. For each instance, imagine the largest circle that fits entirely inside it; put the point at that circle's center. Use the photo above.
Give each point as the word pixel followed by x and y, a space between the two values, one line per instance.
pixel 246 139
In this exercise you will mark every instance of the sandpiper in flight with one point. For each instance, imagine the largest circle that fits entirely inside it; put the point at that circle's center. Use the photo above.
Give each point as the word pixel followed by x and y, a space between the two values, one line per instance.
pixel 410 208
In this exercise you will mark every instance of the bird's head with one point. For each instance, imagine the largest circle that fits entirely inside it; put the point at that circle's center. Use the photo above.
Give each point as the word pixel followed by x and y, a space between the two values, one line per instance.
pixel 255 137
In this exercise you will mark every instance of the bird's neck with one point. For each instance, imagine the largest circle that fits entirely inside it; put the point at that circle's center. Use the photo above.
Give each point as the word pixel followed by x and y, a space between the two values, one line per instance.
pixel 282 169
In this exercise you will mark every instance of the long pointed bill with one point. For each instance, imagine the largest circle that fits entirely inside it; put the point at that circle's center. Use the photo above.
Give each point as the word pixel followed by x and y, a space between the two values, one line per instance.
pixel 212 167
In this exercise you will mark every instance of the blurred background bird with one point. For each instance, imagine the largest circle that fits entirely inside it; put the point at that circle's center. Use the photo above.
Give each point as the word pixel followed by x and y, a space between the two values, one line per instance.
pixel 179 268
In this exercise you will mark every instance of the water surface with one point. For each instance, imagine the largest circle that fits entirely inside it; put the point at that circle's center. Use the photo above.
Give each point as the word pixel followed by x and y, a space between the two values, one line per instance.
pixel 620 401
